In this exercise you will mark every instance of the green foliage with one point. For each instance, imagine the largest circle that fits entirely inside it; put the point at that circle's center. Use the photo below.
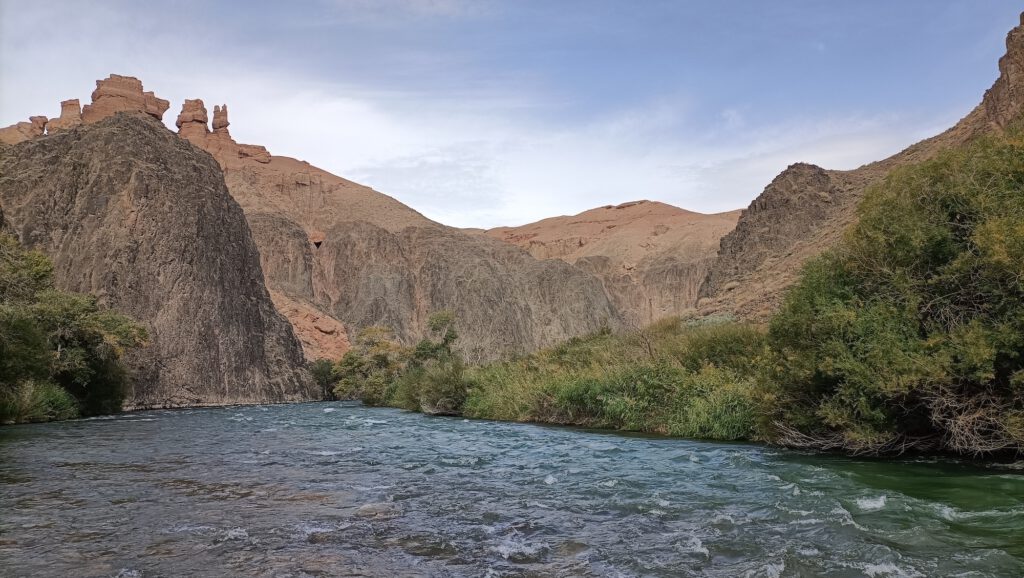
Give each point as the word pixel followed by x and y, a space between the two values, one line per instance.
pixel 674 377
pixel 32 401
pixel 23 273
pixel 430 377
pixel 325 376
pixel 51 338
pixel 438 388
pixel 368 371
pixel 911 333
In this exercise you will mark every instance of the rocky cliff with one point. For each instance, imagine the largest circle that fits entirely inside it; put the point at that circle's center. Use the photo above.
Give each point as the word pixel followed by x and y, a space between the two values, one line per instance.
pixel 806 208
pixel 338 254
pixel 650 257
pixel 142 219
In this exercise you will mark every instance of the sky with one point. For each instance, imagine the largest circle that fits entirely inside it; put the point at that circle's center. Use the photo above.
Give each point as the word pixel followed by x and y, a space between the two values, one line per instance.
pixel 480 113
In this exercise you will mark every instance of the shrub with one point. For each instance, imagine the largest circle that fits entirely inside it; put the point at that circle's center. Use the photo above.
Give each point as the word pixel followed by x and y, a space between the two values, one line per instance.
pixel 438 388
pixel 32 401
pixel 911 333
pixel 52 338
pixel 325 376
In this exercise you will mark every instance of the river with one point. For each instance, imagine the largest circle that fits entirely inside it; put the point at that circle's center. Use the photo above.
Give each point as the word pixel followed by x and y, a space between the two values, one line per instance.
pixel 333 489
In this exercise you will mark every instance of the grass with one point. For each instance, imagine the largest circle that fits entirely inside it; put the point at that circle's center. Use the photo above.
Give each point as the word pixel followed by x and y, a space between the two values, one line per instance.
pixel 674 378
pixel 36 401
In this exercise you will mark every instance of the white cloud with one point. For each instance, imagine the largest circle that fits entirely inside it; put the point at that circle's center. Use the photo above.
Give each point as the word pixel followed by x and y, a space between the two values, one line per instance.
pixel 479 160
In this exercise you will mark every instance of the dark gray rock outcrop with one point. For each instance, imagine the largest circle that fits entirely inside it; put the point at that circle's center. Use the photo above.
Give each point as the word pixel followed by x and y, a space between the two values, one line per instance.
pixel 141 218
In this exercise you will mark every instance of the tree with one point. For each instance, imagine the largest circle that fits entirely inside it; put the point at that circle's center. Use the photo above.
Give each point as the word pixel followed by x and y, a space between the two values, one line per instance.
pixel 51 338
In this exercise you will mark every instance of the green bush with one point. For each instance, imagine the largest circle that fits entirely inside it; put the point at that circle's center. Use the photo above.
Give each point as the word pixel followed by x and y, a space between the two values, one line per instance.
pixel 911 333
pixel 716 403
pixel 438 388
pixel 32 401
pixel 325 376
pixel 51 338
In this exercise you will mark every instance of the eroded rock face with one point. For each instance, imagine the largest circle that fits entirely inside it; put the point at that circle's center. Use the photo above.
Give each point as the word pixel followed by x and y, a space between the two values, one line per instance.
pixel 805 210
pixel 70 117
pixel 23 131
pixel 360 258
pixel 506 301
pixel 798 201
pixel 119 93
pixel 651 257
pixel 1003 102
pixel 142 219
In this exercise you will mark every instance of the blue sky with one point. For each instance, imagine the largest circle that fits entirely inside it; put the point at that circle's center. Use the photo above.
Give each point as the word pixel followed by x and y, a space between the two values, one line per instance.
pixel 484 113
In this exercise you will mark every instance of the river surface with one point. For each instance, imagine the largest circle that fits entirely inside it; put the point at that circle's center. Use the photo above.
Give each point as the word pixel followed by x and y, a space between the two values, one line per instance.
pixel 331 489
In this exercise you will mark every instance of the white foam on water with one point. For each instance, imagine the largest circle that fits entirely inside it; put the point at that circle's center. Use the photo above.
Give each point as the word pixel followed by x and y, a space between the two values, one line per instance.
pixel 952 514
pixel 516 549
pixel 890 570
pixel 773 570
pixel 846 518
pixel 664 503
pixel 550 480
pixel 609 483
pixel 723 518
pixel 236 534
pixel 693 545
pixel 806 522
pixel 871 504
pixel 190 529
pixel 330 409
pixel 325 453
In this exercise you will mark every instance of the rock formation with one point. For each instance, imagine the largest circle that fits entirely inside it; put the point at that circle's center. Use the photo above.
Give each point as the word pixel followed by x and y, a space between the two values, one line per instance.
pixel 651 257
pixel 142 219
pixel 806 208
pixel 23 131
pixel 358 257
pixel 70 117
pixel 119 93
pixel 114 94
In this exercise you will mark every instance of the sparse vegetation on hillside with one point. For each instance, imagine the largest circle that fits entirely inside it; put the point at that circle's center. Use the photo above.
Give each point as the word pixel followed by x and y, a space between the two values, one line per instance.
pixel 60 352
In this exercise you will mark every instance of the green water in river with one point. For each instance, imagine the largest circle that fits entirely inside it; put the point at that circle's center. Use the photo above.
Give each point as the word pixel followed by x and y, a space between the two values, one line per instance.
pixel 334 489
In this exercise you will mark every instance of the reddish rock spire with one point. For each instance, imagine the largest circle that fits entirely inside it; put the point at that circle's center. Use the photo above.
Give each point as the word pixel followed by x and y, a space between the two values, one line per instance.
pixel 119 93
pixel 220 118
pixel 70 117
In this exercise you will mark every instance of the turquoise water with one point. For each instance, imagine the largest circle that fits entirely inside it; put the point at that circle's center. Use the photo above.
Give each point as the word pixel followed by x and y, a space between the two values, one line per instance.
pixel 333 489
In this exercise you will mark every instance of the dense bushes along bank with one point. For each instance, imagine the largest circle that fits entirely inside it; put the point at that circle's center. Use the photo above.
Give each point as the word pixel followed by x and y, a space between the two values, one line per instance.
pixel 909 335
pixel 60 353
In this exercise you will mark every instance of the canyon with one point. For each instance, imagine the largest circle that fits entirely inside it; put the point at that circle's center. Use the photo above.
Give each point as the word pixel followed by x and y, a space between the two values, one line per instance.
pixel 245 264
